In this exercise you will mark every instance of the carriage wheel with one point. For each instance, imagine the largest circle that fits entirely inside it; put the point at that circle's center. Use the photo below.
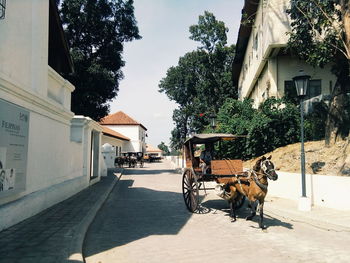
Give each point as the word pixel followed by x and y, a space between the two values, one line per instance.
pixel 239 202
pixel 190 190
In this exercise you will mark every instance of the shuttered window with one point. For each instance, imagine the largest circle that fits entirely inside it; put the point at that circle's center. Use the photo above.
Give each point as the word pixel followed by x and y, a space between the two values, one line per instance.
pixel 314 89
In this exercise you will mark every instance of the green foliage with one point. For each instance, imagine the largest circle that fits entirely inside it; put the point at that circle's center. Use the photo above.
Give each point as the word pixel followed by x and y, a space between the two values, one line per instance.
pixel 210 32
pixel 274 124
pixel 201 81
pixel 315 37
pixel 162 146
pixel 315 122
pixel 319 36
pixel 96 31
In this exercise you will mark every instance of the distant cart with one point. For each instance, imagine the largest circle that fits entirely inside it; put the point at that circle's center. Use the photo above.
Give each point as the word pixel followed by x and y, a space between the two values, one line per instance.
pixel 127 158
pixel 152 157
pixel 140 158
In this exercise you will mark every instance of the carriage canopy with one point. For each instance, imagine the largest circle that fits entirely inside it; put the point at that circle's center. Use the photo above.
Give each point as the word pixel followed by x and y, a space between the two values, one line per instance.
pixel 211 138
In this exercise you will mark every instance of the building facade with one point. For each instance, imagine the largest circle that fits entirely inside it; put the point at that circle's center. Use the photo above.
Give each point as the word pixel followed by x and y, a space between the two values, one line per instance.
pixel 46 153
pixel 262 68
pixel 128 127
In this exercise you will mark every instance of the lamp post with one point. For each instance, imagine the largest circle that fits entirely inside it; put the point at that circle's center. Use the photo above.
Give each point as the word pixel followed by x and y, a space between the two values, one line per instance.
pixel 301 83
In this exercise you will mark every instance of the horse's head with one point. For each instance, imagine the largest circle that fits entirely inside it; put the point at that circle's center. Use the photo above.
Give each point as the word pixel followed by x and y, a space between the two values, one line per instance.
pixel 267 167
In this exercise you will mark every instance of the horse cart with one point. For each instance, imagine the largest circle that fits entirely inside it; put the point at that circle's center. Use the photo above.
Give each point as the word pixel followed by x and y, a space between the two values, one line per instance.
pixel 130 159
pixel 232 183
pixel 220 170
pixel 140 160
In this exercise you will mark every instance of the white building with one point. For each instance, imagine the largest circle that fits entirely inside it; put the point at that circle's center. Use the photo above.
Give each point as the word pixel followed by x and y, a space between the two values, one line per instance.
pixel 113 144
pixel 46 153
pixel 261 67
pixel 130 128
pixel 153 151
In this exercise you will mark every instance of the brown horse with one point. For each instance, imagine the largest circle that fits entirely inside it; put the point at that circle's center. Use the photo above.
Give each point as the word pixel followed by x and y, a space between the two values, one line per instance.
pixel 252 184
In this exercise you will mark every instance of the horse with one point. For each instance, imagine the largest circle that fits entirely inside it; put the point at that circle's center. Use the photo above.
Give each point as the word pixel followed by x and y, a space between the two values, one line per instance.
pixel 252 184
pixel 119 161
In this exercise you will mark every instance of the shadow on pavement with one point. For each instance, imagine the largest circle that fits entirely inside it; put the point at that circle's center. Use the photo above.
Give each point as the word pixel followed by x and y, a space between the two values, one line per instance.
pixel 141 171
pixel 132 213
pixel 244 211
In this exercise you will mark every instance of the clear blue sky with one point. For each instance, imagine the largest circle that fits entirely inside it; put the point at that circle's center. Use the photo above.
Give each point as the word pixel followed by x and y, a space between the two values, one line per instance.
pixel 163 25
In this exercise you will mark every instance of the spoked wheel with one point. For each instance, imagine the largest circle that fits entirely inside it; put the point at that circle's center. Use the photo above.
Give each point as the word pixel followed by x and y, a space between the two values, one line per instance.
pixel 190 190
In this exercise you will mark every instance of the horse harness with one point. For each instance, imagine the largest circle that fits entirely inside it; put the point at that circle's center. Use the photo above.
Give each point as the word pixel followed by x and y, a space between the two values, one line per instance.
pixel 256 178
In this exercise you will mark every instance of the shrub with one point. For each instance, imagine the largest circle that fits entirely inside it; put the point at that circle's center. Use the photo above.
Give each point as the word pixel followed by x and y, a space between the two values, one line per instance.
pixel 274 124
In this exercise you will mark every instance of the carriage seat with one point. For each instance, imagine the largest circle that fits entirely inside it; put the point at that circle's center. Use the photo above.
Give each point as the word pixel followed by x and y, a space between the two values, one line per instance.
pixel 195 166
pixel 226 167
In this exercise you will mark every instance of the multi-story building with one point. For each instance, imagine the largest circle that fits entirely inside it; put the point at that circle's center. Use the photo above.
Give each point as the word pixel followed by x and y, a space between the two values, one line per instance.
pixel 128 127
pixel 262 68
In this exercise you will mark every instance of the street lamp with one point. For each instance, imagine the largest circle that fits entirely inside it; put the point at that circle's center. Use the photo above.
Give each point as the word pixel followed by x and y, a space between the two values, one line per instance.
pixel 301 83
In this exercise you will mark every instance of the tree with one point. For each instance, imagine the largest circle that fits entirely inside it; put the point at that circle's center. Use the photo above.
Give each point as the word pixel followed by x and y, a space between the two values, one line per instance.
pixel 320 35
pixel 274 124
pixel 96 31
pixel 162 146
pixel 201 81
pixel 209 32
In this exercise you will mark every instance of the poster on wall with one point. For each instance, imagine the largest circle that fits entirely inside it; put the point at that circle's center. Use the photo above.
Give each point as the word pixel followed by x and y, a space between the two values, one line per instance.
pixel 14 128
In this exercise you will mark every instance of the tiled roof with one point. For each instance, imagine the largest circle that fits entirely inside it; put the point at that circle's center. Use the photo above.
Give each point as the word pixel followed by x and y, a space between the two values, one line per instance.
pixel 150 148
pixel 119 118
pixel 110 132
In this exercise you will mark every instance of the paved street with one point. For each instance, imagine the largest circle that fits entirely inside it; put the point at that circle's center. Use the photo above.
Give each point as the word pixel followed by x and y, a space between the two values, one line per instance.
pixel 145 220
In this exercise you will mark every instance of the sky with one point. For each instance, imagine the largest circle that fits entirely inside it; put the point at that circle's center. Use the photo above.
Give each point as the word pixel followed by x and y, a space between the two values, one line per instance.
pixel 164 27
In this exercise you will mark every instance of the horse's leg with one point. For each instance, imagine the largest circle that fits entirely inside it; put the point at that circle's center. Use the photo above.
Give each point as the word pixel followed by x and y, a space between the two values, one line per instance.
pixel 261 210
pixel 252 209
pixel 232 210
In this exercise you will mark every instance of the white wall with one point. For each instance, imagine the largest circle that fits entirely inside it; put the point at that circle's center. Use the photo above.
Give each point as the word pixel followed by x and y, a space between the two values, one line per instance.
pixel 327 191
pixel 271 25
pixel 112 141
pixel 289 67
pixel 24 38
pixel 58 155
pixel 135 132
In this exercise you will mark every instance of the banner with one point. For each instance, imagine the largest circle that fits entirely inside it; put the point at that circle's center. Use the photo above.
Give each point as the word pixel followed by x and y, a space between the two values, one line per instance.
pixel 14 129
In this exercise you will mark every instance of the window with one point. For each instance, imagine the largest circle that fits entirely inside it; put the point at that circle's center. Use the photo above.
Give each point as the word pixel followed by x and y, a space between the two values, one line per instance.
pixel 314 89
pixel 2 8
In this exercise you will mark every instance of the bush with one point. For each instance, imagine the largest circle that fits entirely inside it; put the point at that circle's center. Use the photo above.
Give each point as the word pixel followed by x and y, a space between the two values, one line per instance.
pixel 315 122
pixel 276 123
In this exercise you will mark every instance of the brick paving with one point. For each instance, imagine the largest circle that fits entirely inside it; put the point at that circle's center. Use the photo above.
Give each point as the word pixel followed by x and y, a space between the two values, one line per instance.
pixel 51 236
pixel 145 220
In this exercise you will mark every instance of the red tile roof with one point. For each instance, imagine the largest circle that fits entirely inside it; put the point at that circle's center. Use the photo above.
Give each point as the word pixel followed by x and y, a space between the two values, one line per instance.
pixel 110 132
pixel 151 148
pixel 119 118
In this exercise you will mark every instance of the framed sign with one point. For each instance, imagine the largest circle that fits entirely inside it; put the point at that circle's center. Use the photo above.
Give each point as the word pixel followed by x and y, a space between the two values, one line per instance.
pixel 14 130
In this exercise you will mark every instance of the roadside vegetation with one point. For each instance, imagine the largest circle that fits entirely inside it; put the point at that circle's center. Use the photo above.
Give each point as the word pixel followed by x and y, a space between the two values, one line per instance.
pixel 201 85
pixel 96 32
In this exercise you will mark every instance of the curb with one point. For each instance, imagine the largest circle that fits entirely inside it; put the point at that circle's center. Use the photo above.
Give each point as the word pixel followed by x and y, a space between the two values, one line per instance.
pixel 305 218
pixel 76 248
